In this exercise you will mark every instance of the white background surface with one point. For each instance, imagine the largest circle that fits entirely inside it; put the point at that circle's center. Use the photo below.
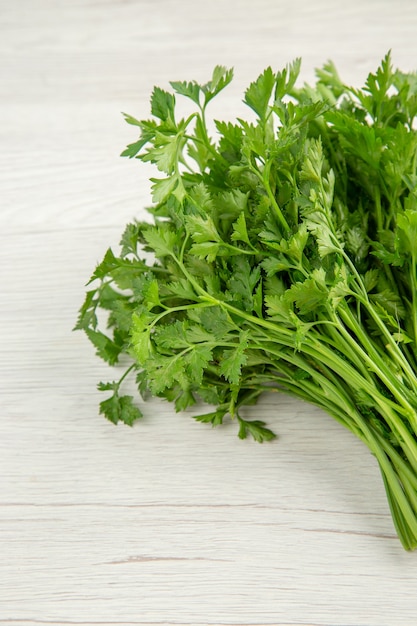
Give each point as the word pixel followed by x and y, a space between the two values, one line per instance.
pixel 171 522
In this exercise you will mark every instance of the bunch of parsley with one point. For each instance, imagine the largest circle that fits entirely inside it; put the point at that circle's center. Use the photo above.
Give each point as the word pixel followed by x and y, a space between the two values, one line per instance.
pixel 281 257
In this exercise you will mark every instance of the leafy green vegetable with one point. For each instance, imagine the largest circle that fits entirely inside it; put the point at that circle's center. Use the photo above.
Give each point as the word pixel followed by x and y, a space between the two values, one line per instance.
pixel 284 260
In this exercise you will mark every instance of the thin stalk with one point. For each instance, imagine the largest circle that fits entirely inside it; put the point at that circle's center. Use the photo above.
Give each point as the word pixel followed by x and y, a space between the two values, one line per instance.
pixel 389 410
pixel 378 210
pixel 413 281
pixel 363 298
pixel 401 464
pixel 266 178
pixel 399 480
pixel 408 541
pixel 371 356
pixel 402 510
pixel 327 357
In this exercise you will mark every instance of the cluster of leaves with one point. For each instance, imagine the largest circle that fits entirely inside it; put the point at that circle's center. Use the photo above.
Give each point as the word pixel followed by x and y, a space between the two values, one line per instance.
pixel 284 259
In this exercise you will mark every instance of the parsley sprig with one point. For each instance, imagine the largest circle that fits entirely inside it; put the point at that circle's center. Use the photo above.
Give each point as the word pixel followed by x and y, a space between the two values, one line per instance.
pixel 281 258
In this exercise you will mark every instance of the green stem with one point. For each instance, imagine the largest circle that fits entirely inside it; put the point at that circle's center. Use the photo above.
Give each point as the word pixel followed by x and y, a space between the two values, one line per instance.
pixel 378 210
pixel 216 154
pixel 127 372
pixel 389 410
pixel 184 307
pixel 330 362
pixel 392 345
pixel 408 541
pixel 376 363
pixel 413 281
pixel 363 298
pixel 264 179
pixel 399 479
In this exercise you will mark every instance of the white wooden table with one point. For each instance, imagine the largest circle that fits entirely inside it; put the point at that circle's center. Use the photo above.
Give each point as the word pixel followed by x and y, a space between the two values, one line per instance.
pixel 172 522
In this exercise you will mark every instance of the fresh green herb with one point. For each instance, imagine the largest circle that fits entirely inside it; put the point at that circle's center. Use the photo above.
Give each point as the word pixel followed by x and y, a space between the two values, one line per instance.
pixel 283 260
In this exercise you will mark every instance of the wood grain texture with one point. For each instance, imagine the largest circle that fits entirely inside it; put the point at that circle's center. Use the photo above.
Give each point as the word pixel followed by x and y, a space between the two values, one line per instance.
pixel 171 522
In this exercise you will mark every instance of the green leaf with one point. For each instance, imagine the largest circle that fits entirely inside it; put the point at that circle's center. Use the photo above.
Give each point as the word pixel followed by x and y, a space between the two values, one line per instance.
pixel 188 89
pixel 256 428
pixel 87 317
pixel 162 105
pixel 220 79
pixel 329 77
pixel 200 198
pixel 110 408
pixel 214 320
pixel 197 361
pixel 286 79
pixel 242 282
pixel 207 250
pixel 119 408
pixel 292 247
pixel 253 143
pixel 230 204
pixel 106 349
pixel 407 232
pixel 161 240
pixel 148 129
pixel 141 328
pixel 163 187
pixel 201 150
pixel 202 230
pixel 230 144
pixel 326 241
pixel 258 94
pixel 297 242
pixel 195 333
pixel 181 288
pixel 129 413
pixel 132 149
pixel 131 120
pixel 108 296
pixel 279 308
pixel 123 271
pixel 258 300
pixel 151 295
pixel 121 315
pixel 356 242
pixel 378 84
pixel 108 386
pixel 389 302
pixel 308 296
pixel 141 346
pixel 240 231
pixel 274 265
pixel 215 418
pixel 370 279
pixel 165 372
pixel 184 399
pixel 233 359
pixel 172 336
pixel 130 239
pixel 341 285
pixel 107 265
pixel 164 155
